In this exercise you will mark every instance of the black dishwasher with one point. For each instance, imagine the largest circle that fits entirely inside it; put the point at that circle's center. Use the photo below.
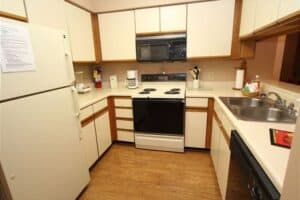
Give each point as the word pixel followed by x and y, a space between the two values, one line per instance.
pixel 247 180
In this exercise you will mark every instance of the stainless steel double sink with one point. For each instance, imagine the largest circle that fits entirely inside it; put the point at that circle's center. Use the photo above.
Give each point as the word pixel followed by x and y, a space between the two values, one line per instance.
pixel 256 109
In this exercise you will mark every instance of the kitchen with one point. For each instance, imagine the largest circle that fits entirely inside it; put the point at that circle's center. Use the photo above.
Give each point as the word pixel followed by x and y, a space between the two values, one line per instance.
pixel 171 99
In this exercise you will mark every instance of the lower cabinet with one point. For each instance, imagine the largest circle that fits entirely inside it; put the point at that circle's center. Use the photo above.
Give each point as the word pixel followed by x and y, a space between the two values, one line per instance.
pixel 220 153
pixel 195 129
pixel 95 128
pixel 103 132
pixel 90 143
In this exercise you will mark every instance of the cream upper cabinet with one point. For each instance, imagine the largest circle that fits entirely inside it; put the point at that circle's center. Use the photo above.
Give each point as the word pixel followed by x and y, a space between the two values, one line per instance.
pixel 13 7
pixel 147 20
pixel 195 129
pixel 266 13
pixel 50 13
pixel 210 28
pixel 173 18
pixel 248 17
pixel 117 35
pixel 81 33
pixel 288 7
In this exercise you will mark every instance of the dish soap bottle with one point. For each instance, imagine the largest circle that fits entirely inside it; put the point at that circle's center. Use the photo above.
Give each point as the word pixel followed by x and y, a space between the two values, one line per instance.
pixel 257 81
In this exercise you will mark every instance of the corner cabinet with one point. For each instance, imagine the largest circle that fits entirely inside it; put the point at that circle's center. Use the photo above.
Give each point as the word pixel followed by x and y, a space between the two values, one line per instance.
pixel 288 8
pixel 220 151
pixel 210 28
pixel 261 18
pixel 13 9
pixel 117 36
pixel 247 17
pixel 95 128
pixel 80 29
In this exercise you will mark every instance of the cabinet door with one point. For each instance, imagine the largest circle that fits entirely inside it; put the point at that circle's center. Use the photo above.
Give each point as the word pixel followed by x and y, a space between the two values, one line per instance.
pixel 209 28
pixel 13 7
pixel 90 143
pixel 117 35
pixel 248 17
pixel 50 13
pixel 81 33
pixel 266 13
pixel 223 165
pixel 147 20
pixel 288 7
pixel 214 147
pixel 195 129
pixel 173 18
pixel 103 132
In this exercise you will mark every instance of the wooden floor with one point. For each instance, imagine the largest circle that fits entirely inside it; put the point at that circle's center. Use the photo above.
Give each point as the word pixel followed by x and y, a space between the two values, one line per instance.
pixel 129 173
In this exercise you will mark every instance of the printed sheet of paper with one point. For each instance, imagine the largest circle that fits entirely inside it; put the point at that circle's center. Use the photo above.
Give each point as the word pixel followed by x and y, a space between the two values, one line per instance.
pixel 15 48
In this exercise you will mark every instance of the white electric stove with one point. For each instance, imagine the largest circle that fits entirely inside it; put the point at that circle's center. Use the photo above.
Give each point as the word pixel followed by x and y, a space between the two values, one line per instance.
pixel 158 109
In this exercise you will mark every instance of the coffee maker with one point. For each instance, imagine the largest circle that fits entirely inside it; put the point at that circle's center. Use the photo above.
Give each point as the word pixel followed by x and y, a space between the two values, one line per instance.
pixel 132 79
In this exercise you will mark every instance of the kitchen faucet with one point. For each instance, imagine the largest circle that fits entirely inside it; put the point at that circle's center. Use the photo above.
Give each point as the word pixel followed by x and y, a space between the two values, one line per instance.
pixel 279 100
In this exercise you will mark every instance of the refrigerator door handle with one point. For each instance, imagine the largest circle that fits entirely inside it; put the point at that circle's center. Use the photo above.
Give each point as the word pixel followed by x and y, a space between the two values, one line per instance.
pixel 77 109
pixel 68 57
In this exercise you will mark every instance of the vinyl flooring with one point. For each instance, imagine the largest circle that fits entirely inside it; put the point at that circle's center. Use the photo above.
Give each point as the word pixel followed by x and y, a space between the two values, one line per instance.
pixel 125 172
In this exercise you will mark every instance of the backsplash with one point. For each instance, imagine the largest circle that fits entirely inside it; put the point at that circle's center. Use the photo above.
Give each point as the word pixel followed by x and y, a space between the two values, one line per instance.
pixel 217 71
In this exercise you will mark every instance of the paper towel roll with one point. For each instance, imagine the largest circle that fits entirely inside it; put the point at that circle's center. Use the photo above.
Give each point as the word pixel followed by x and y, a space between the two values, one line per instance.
pixel 239 78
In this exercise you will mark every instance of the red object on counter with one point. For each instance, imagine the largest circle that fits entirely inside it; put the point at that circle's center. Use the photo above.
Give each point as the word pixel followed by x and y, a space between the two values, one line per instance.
pixel 281 138
pixel 98 84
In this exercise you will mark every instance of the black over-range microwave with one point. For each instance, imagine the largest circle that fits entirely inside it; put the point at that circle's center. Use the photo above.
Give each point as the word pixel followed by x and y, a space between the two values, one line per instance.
pixel 161 48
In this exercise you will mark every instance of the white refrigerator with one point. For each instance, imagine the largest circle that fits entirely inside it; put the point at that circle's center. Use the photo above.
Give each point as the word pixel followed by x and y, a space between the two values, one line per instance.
pixel 40 151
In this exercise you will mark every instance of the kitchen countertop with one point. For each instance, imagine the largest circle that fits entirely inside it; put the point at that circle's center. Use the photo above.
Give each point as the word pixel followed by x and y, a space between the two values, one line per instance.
pixel 256 136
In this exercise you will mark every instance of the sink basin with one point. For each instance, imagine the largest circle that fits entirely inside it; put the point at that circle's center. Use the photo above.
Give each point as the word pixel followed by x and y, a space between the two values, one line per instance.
pixel 253 109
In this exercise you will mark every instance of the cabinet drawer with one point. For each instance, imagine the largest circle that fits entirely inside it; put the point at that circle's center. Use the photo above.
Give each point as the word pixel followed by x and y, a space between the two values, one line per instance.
pixel 124 124
pixel 124 112
pixel 100 105
pixel 86 112
pixel 196 102
pixel 125 136
pixel 123 102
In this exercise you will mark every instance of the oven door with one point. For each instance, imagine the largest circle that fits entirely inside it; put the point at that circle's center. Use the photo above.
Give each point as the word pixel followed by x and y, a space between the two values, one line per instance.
pixel 159 116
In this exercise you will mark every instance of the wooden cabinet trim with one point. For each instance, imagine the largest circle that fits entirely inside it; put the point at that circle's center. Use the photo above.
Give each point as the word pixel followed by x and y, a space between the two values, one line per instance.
pixel 210 111
pixel 196 109
pixel 87 120
pixel 161 33
pixel 13 16
pixel 123 107
pixel 5 189
pixel 96 37
pixel 124 129
pixel 112 118
pixel 124 118
pixel 122 97
pixel 236 44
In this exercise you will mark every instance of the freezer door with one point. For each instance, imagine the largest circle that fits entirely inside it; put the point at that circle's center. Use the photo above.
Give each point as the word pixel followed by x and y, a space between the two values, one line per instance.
pixel 41 154
pixel 53 63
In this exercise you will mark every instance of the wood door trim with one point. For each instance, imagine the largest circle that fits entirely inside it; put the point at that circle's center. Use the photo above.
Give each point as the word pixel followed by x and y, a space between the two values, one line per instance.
pixel 96 37
pixel 124 118
pixel 13 16
pixel 100 112
pixel 196 109
pixel 224 133
pixel 87 120
pixel 112 118
pixel 210 111
pixel 78 6
pixel 124 129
